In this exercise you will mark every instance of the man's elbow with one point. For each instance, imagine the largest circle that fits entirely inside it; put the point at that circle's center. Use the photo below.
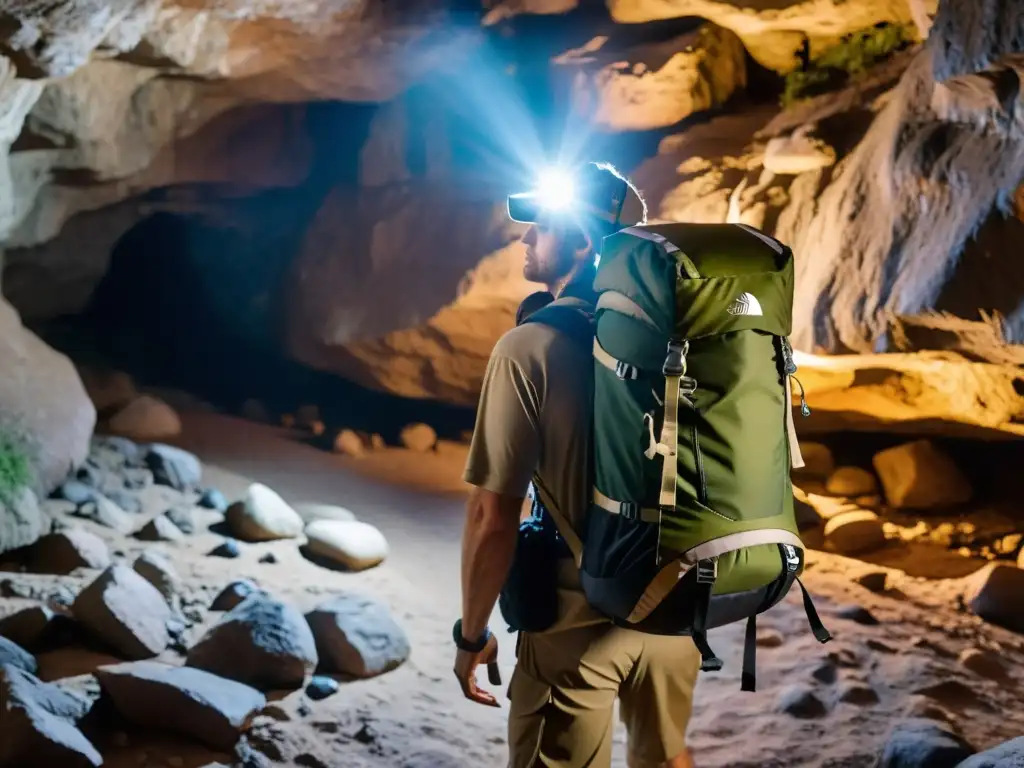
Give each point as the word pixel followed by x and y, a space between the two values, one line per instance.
pixel 493 512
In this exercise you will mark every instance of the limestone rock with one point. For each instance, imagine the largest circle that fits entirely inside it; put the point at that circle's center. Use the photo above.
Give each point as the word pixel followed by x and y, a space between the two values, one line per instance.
pixel 851 481
pixel 261 642
pixel 126 612
pixel 105 512
pixel 21 521
pixel 182 700
pixel 996 594
pixel 850 533
pixel 233 594
pixel 70 548
pixel 617 90
pixel 38 726
pixel 161 528
pixel 146 418
pixel 418 437
pixel 155 568
pixel 14 655
pixel 1009 754
pixel 43 403
pixel 918 475
pixel 349 443
pixel 173 467
pixel 352 544
pixel 923 743
pixel 263 516
pixel 357 636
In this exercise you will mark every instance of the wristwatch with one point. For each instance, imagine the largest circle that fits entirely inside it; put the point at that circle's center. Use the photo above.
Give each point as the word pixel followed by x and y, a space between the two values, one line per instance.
pixel 470 646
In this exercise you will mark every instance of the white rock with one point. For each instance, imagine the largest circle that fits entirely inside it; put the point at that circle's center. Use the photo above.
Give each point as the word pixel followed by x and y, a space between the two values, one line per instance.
pixel 263 516
pixel 348 443
pixel 352 544
pixel 356 635
pixel 418 437
pixel 850 533
pixel 146 418
pixel 851 481
pixel 918 475
pixel 996 594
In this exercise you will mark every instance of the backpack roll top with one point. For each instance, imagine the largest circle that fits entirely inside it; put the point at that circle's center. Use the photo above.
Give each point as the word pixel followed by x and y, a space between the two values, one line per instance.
pixel 692 523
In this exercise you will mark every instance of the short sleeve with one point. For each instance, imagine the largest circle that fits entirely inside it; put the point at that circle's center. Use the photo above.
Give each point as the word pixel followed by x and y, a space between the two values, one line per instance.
pixel 505 449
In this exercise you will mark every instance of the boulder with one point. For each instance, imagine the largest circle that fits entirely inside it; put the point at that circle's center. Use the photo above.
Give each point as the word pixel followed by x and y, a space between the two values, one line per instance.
pixel 352 544
pixel 1009 754
pixel 38 726
pixel 68 549
pixel 21 520
pixel 27 626
pixel 923 743
pixel 418 437
pixel 234 594
pixel 263 516
pixel 155 568
pixel 126 612
pixel 173 467
pixel 42 403
pixel 357 636
pixel 851 533
pixel 13 654
pixel 311 512
pixel 261 642
pixel 996 594
pixel 918 475
pixel 182 700
pixel 851 481
pixel 146 418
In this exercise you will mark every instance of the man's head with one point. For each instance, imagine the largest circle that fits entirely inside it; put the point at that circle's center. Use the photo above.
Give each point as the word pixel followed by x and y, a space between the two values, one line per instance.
pixel 570 213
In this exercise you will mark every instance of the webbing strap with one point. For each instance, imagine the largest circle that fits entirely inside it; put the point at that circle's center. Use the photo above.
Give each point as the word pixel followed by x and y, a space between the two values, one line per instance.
pixel 622 369
pixel 795 456
pixel 670 439
pixel 748 680
pixel 565 529
pixel 821 634
pixel 707 573
pixel 628 509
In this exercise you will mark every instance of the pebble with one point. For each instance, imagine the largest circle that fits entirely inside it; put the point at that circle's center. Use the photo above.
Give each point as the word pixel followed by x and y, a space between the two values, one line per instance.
pixel 801 702
pixel 321 686
pixel 229 548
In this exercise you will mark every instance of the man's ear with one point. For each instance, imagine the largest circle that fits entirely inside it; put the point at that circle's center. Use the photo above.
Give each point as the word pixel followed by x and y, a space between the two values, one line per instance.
pixel 583 243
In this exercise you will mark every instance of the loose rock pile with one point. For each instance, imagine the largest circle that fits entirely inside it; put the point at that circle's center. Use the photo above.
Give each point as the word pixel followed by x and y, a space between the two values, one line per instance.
pixel 206 689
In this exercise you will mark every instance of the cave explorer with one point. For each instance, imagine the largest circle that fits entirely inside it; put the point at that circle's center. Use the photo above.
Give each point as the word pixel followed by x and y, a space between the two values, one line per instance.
pixel 534 424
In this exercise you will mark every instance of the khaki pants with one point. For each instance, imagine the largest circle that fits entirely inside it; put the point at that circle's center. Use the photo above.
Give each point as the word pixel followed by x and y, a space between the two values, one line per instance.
pixel 564 688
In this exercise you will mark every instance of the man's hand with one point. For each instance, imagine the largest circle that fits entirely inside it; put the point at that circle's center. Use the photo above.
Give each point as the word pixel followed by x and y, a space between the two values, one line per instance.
pixel 466 664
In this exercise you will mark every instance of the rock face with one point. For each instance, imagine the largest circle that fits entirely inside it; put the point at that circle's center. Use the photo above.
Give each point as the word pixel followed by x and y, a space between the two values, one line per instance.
pixel 43 402
pixel 182 700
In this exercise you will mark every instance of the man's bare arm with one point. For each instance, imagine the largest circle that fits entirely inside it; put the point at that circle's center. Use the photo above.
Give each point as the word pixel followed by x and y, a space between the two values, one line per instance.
pixel 488 545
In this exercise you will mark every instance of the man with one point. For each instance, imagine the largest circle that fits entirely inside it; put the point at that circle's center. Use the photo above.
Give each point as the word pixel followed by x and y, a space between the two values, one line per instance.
pixel 534 417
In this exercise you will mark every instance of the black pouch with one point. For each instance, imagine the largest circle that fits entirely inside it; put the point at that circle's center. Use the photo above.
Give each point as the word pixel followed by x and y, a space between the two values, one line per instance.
pixel 529 598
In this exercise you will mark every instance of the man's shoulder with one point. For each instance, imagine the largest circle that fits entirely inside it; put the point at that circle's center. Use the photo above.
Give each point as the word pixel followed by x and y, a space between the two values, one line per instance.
pixel 535 342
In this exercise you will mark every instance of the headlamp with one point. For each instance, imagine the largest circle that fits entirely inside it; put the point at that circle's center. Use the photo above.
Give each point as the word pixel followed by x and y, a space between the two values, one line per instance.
pixel 553 194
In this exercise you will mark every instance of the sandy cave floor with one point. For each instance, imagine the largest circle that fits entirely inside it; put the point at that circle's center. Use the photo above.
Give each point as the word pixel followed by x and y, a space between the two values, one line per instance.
pixel 414 717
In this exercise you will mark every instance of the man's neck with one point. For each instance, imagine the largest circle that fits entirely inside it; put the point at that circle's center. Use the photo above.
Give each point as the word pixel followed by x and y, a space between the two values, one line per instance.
pixel 578 271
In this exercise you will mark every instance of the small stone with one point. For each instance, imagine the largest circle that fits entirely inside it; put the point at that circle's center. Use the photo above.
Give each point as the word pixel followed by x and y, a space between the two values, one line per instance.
pixel 184 518
pixel 825 672
pixel 348 443
pixel 261 642
pixel 850 533
pixel 320 687
pixel 76 492
pixel 800 701
pixel 850 482
pixel 71 548
pixel 173 467
pixel 996 594
pixel 920 743
pixel 857 693
pixel 155 568
pixel 918 475
pixel 229 548
pixel 357 636
pixel 126 612
pixel 769 638
pixel 268 559
pixel 182 700
pixel 263 516
pixel 418 437
pixel 233 594
pixel 103 511
pixel 213 499
pixel 160 528
pixel 858 614
pixel 984 663
pixel 354 545
pixel 873 581
pixel 146 418
pixel 13 654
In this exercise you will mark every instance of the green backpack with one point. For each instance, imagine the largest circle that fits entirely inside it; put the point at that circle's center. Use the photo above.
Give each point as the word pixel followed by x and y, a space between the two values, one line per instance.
pixel 691 524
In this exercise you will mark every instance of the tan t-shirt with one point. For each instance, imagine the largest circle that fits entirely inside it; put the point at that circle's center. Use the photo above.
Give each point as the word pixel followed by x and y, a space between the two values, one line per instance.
pixel 534 416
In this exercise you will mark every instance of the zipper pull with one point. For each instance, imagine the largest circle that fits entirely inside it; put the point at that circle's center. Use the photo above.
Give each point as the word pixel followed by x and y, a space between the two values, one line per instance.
pixel 787 354
pixel 805 410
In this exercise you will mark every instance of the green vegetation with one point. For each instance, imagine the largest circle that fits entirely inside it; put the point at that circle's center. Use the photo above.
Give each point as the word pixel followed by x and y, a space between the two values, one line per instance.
pixel 854 55
pixel 15 468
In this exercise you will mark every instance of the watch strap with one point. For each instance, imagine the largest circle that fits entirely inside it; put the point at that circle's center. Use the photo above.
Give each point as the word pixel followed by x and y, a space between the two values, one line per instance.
pixel 470 646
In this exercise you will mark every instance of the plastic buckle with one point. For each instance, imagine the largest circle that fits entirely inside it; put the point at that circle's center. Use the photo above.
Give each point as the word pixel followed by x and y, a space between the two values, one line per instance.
pixel 707 571
pixel 630 510
pixel 675 359
pixel 625 370
pixel 792 558
pixel 687 385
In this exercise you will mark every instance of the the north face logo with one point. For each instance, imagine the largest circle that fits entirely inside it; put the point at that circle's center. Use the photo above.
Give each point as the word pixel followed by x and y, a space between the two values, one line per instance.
pixel 745 304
